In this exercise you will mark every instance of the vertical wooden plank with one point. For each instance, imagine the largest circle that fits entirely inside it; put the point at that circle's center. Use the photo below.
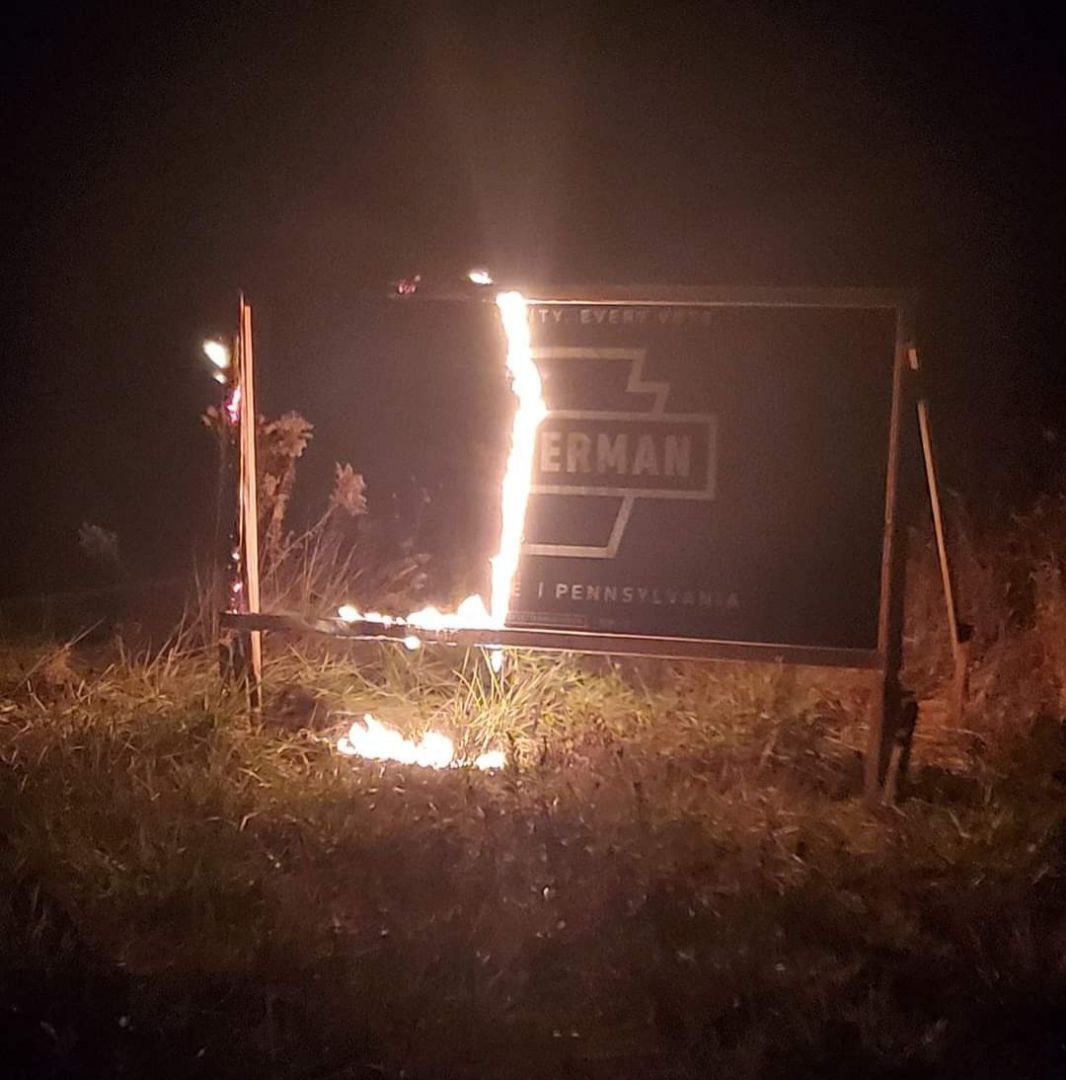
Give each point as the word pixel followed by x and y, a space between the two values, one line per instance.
pixel 887 704
pixel 960 645
pixel 938 527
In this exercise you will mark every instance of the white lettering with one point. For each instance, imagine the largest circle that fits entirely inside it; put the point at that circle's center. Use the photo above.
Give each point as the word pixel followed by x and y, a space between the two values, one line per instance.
pixel 611 455
pixel 645 460
pixel 678 455
pixel 640 594
pixel 578 449
pixel 551 451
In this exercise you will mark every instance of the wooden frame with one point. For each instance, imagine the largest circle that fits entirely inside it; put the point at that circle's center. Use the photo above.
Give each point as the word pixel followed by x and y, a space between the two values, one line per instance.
pixel 885 659
pixel 841 296
pixel 583 641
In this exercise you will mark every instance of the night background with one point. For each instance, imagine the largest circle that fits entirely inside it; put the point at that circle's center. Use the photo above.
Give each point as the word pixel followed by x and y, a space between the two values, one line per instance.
pixel 462 858
pixel 158 159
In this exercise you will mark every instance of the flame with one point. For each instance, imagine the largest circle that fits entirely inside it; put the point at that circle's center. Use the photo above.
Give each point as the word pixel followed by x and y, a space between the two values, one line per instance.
pixel 375 741
pixel 518 478
pixel 472 613
pixel 353 614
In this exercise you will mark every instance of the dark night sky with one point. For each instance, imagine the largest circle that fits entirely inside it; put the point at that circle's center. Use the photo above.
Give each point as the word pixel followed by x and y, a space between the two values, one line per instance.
pixel 158 157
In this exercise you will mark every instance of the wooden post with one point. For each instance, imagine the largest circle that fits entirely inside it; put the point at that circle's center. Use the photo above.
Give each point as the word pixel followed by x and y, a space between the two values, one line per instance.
pixel 960 646
pixel 938 525
pixel 886 711
pixel 249 501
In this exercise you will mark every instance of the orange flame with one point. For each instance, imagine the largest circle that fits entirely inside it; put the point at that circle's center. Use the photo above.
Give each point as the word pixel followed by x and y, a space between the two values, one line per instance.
pixel 375 741
pixel 472 614
pixel 518 477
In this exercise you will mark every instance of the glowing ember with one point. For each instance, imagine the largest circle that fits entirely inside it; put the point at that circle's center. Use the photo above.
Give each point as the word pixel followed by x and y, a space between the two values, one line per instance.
pixel 233 405
pixel 472 613
pixel 375 741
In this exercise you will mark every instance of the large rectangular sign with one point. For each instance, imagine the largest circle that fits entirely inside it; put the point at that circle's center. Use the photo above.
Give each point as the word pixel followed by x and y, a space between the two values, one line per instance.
pixel 712 465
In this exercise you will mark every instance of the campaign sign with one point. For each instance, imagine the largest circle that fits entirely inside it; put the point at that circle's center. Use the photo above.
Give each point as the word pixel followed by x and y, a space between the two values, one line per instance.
pixel 710 470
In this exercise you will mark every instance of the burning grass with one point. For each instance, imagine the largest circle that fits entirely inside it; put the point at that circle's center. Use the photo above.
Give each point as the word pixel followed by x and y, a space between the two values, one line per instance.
pixel 670 878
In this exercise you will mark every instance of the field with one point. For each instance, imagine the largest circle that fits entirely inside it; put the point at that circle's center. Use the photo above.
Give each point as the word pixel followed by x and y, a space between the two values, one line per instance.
pixel 673 877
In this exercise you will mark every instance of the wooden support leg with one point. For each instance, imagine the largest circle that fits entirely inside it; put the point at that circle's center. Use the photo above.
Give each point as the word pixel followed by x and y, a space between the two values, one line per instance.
pixel 961 678
pixel 885 711
pixel 899 751
pixel 235 665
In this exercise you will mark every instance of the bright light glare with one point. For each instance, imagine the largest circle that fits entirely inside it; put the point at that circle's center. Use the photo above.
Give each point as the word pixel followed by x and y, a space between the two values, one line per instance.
pixel 217 353
pixel 479 276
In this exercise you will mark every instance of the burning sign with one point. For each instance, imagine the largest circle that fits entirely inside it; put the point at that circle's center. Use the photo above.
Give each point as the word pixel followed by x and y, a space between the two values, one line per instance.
pixel 374 740
pixel 472 613
pixel 701 472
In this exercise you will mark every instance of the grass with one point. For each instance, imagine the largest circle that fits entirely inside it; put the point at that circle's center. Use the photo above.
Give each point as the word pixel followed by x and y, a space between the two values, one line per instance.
pixel 673 877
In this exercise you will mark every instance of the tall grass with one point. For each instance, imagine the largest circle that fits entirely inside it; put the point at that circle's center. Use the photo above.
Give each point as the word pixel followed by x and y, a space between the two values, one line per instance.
pixel 1011 590
pixel 670 877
